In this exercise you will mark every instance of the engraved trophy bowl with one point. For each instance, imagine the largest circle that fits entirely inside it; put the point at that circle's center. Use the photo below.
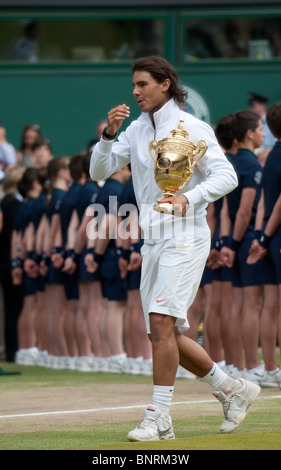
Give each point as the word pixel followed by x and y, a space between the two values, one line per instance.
pixel 174 164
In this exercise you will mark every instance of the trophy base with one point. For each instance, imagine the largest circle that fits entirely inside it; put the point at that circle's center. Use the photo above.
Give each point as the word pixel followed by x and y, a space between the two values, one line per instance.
pixel 164 208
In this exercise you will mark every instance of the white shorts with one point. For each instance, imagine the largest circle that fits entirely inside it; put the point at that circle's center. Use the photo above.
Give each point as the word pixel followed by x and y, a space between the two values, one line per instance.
pixel 171 275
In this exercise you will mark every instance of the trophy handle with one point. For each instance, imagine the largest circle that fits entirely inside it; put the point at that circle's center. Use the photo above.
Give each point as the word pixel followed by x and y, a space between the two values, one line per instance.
pixel 152 146
pixel 199 151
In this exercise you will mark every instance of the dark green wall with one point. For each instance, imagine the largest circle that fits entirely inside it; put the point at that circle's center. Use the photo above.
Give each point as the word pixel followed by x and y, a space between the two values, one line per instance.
pixel 68 102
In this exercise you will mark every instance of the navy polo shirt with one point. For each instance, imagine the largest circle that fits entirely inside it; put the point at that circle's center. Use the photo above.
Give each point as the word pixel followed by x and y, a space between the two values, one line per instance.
pixel 109 197
pixel 128 195
pixel 54 206
pixel 249 173
pixel 23 214
pixel 271 179
pixel 68 203
pixel 39 208
pixel 86 196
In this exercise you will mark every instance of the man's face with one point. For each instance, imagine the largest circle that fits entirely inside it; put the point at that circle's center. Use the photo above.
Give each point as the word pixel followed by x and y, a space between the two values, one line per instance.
pixel 149 94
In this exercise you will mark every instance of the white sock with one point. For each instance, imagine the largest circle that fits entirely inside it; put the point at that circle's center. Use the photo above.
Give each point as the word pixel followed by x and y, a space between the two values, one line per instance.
pixel 162 397
pixel 219 380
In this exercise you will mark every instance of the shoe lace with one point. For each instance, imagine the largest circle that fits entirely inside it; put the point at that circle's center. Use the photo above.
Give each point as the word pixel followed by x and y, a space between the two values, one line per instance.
pixel 145 422
pixel 226 405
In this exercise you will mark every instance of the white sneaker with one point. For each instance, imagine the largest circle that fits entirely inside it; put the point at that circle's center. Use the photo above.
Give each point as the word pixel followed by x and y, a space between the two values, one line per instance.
pixel 27 357
pixel 271 379
pixel 41 359
pixel 70 362
pixel 236 406
pixel 102 364
pixel 233 372
pixel 117 363
pixel 154 426
pixel 147 367
pixel 254 375
pixel 183 373
pixel 84 364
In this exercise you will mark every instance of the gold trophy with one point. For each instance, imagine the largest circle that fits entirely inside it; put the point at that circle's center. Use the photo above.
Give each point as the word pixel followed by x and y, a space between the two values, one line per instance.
pixel 174 165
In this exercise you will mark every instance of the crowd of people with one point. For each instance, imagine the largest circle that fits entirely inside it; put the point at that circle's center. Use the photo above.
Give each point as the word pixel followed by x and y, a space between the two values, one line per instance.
pixel 70 259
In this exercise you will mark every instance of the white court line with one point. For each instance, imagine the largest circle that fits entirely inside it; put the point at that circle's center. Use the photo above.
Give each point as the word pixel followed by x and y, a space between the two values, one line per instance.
pixel 117 408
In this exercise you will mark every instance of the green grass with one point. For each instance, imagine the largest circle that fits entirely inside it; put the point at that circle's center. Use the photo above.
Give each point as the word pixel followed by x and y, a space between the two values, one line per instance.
pixel 260 431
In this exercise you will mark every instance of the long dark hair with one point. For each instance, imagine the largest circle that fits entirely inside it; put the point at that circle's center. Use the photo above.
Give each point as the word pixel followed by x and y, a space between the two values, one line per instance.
pixel 160 69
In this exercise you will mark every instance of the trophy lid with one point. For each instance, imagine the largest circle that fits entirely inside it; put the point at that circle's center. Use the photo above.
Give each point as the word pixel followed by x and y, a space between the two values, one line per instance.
pixel 180 132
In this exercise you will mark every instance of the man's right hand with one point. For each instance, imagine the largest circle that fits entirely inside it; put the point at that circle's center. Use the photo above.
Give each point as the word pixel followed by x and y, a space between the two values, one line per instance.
pixel 115 118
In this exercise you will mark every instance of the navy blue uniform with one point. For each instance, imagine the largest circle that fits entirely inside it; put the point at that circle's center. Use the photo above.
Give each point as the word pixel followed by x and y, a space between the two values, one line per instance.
pixel 271 184
pixel 22 219
pixel 68 204
pixel 38 210
pixel 249 172
pixel 128 197
pixel 86 197
pixel 54 275
pixel 113 287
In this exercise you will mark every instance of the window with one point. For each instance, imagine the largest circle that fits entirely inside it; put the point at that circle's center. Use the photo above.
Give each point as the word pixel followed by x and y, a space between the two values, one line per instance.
pixel 80 40
pixel 252 38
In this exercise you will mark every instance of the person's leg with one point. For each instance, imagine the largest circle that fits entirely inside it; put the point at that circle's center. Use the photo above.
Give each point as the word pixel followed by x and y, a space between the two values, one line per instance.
pixel 212 323
pixel 57 345
pixel 27 337
pixel 137 344
pixel 194 314
pixel 164 349
pixel 95 308
pixel 114 326
pixel 252 301
pixel 69 327
pixel 225 308
pixel 268 326
pixel 235 330
pixel 81 325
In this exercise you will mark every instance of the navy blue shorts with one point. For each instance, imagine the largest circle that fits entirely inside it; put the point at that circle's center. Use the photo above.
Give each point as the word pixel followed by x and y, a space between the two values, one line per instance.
pixel 207 276
pixel 54 275
pixel 114 289
pixel 113 286
pixel 84 275
pixel 133 279
pixel 41 283
pixel 29 285
pixel 71 287
pixel 271 264
pixel 222 274
pixel 243 274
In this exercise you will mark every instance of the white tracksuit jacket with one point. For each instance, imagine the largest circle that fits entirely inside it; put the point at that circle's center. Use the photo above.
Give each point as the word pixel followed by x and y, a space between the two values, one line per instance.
pixel 213 176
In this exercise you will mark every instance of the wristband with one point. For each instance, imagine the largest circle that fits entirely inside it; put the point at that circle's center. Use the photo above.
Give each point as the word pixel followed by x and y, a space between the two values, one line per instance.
pixel 122 253
pixel 32 255
pixel 264 240
pixel 257 234
pixel 125 254
pixel 58 250
pixel 224 241
pixel 136 247
pixel 98 258
pixel 16 263
pixel 46 258
pixel 234 244
pixel 74 256
pixel 108 136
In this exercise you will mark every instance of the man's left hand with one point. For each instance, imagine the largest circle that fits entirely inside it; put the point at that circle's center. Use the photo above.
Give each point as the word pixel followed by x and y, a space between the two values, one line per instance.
pixel 179 202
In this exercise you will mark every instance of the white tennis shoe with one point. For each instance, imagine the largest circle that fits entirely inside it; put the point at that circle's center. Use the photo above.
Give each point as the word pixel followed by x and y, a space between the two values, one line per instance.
pixel 235 406
pixel 153 427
